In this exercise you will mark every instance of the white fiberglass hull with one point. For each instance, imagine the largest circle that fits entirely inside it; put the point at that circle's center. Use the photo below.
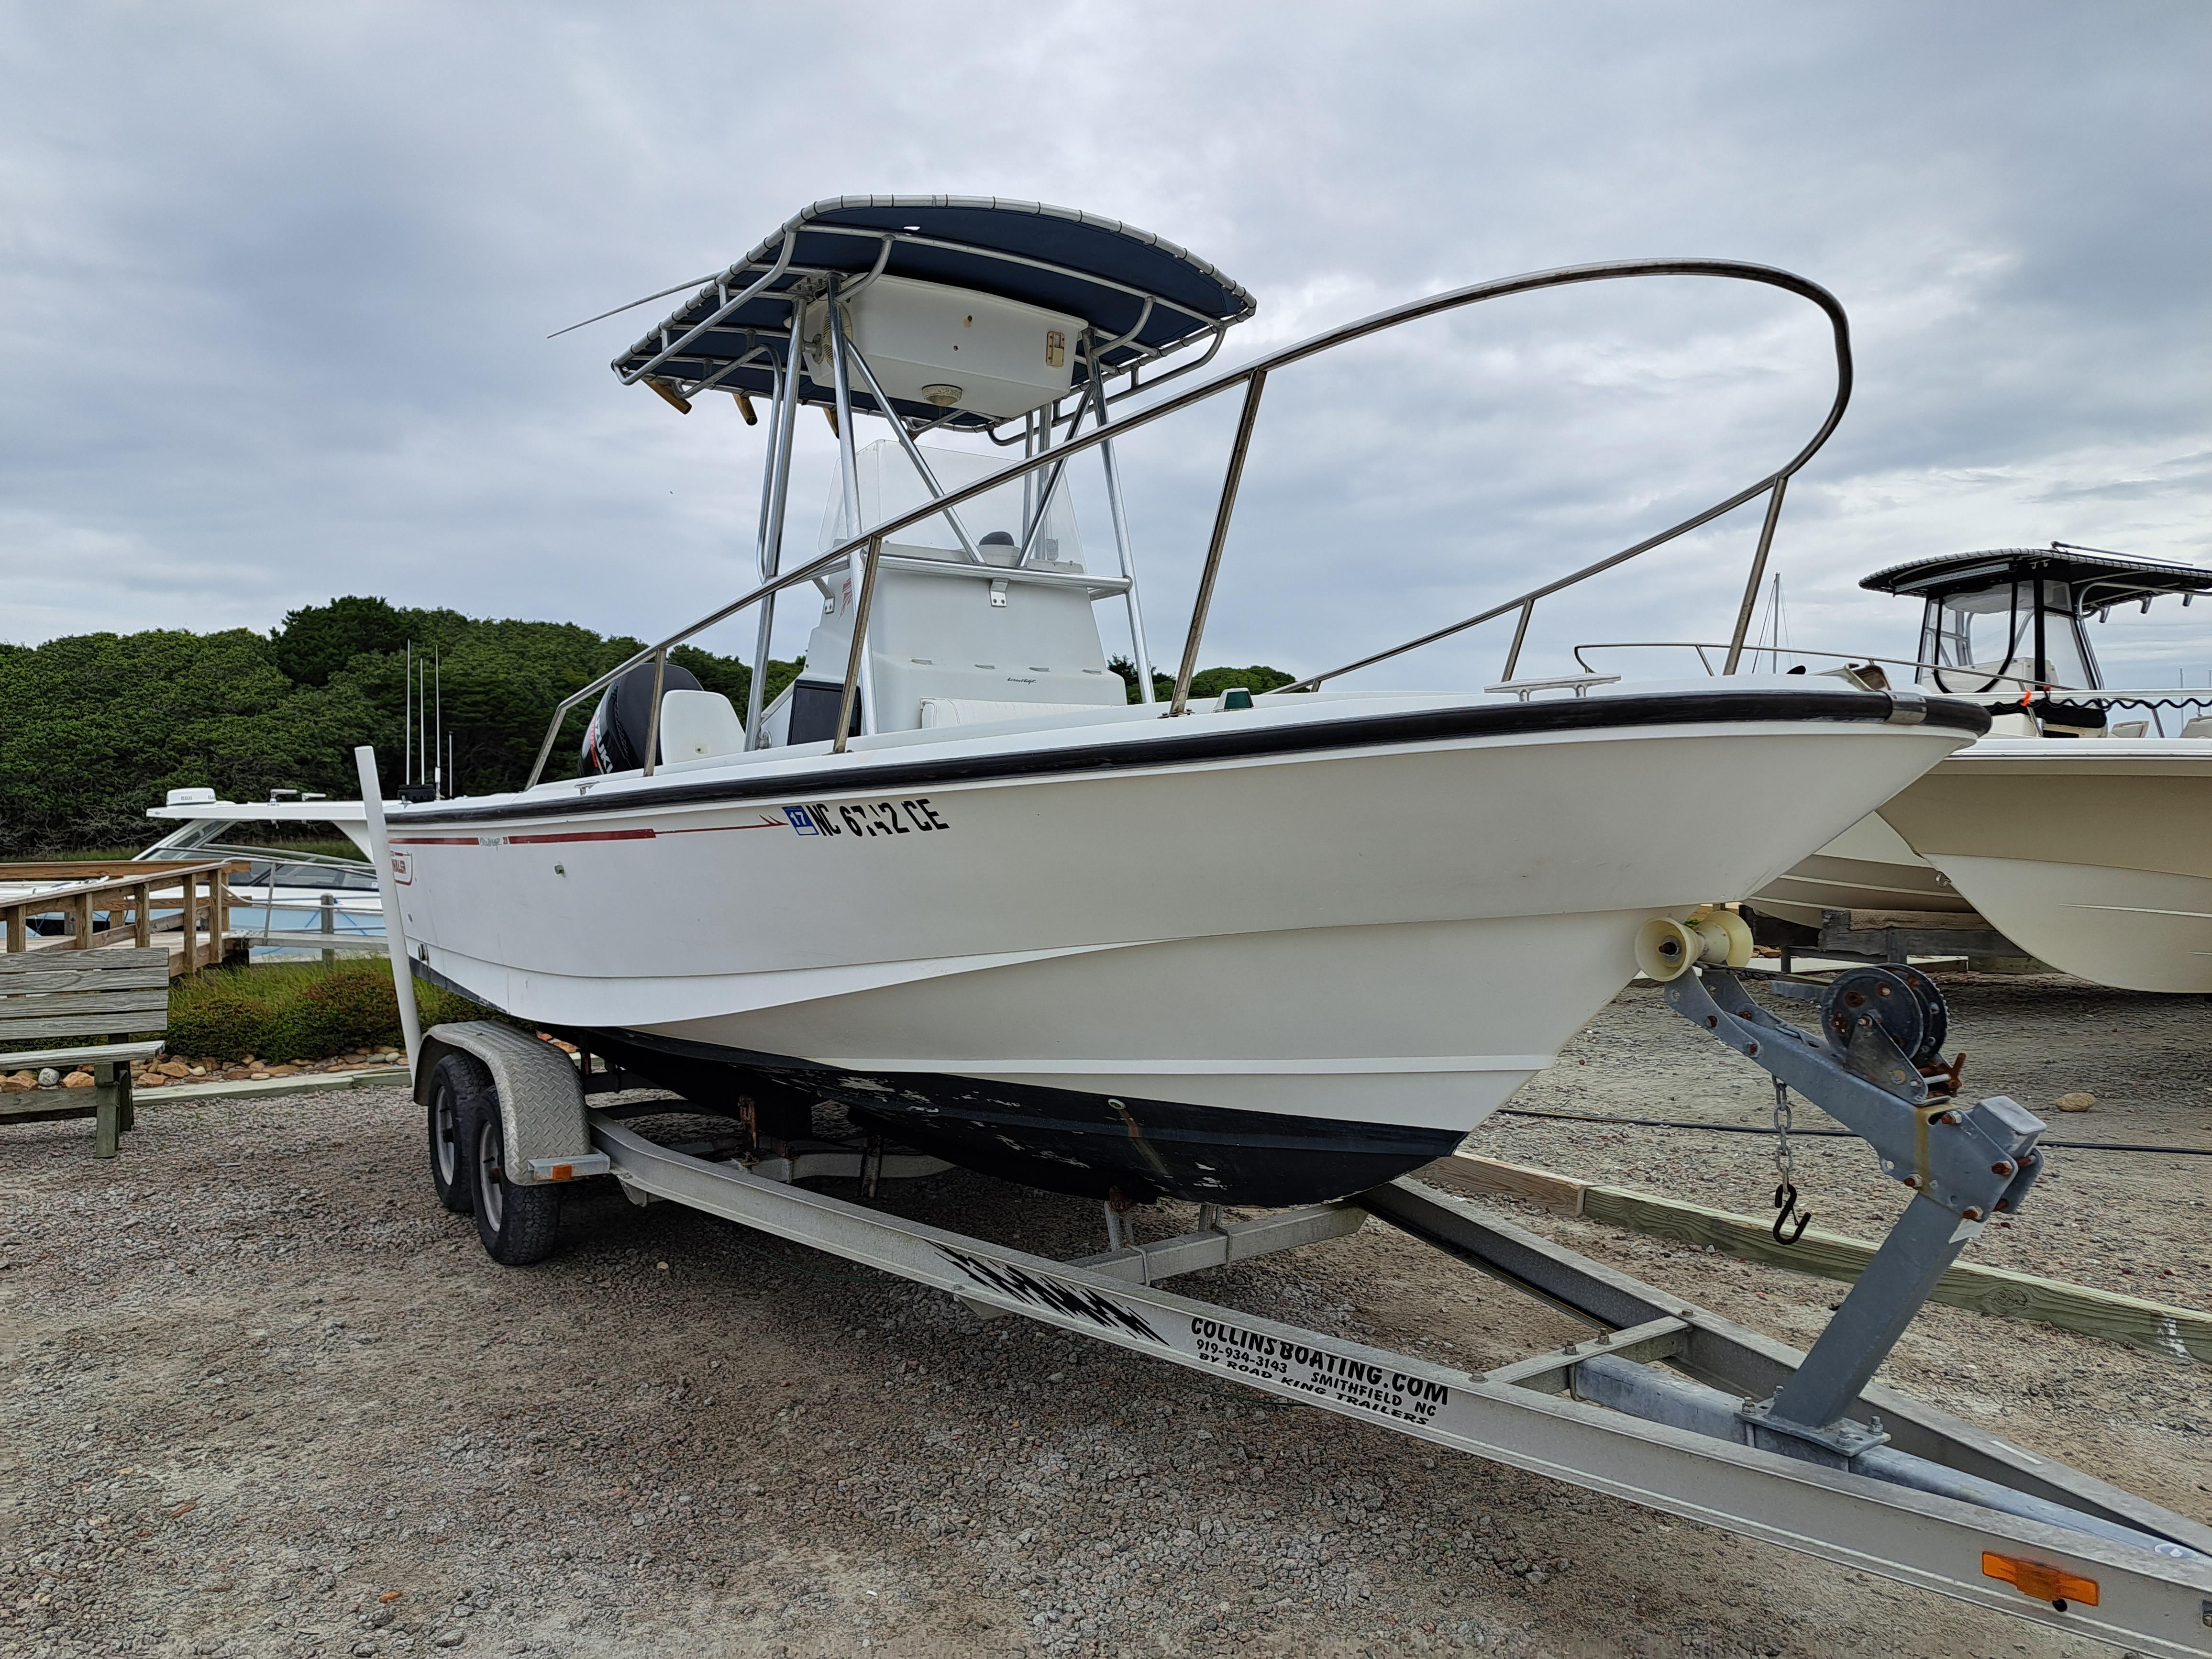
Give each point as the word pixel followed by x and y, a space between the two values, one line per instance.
pixel 1867 867
pixel 2094 854
pixel 1339 930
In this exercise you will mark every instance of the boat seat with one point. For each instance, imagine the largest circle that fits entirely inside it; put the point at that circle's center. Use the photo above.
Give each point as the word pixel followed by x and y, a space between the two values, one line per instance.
pixel 696 724
pixel 976 711
pixel 2200 727
pixel 2129 729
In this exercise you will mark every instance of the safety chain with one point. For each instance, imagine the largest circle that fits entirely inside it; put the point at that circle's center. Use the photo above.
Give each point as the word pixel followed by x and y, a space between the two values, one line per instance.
pixel 1785 1184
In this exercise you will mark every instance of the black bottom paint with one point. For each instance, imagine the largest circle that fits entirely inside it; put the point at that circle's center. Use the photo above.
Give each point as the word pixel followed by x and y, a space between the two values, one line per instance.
pixel 1060 1140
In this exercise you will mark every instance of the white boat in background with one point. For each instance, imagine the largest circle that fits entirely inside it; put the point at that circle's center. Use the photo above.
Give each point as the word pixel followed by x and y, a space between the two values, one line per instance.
pixel 2083 836
pixel 1261 950
pixel 283 891
pixel 2081 826
pixel 2095 857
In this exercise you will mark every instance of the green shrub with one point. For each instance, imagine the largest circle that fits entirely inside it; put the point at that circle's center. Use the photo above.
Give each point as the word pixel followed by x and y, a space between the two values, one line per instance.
pixel 299 1010
pixel 1206 684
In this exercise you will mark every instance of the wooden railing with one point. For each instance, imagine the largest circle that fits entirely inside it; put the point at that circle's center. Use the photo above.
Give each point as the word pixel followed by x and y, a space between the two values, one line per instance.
pixel 143 903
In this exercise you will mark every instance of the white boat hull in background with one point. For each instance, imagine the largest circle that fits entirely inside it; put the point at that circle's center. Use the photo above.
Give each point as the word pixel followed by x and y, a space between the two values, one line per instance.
pixel 2093 855
pixel 1366 947
pixel 1867 867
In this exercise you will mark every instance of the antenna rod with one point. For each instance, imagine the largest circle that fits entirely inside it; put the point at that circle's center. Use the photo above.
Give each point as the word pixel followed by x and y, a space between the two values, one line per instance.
pixel 438 750
pixel 407 720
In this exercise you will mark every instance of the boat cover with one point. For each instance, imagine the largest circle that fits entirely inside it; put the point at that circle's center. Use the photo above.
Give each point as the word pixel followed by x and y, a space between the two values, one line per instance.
pixel 2096 578
pixel 1144 296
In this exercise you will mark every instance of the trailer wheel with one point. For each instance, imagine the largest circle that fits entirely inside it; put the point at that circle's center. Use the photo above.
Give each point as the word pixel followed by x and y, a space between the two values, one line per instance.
pixel 458 1087
pixel 517 1225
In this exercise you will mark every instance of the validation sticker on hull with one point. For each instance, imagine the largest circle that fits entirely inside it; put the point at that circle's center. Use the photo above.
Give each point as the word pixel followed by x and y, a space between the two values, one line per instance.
pixel 864 818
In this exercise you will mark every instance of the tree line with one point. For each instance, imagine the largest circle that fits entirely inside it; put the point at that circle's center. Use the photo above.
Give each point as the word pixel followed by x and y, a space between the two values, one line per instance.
pixel 95 728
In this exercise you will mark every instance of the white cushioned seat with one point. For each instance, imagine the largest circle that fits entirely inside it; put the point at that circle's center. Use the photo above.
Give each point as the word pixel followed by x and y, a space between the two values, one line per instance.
pixel 696 724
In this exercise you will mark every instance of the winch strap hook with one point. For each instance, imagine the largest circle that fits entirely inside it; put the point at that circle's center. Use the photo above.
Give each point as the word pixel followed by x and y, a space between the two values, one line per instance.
pixel 1785 1184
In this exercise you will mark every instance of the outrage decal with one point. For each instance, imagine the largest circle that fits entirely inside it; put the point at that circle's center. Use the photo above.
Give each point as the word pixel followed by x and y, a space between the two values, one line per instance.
pixel 864 818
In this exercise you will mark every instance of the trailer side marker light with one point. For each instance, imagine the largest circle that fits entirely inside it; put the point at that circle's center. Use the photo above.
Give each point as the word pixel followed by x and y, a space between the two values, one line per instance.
pixel 568 1168
pixel 2045 1584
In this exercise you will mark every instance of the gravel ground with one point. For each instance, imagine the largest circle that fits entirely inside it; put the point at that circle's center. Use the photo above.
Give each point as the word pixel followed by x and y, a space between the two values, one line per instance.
pixel 259 1396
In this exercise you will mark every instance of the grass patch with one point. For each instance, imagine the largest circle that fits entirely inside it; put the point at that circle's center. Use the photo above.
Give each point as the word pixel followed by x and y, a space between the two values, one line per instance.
pixel 296 1010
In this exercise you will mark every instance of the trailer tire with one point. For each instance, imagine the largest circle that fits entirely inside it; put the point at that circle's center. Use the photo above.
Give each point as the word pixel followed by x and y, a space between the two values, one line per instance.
pixel 458 1085
pixel 517 1225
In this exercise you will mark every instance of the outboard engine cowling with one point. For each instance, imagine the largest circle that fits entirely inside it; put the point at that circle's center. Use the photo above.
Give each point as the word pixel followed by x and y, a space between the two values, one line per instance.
pixel 615 740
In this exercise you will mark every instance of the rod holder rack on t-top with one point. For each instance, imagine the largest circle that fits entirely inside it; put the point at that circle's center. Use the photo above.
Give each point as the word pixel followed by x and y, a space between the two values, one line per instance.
pixel 862 555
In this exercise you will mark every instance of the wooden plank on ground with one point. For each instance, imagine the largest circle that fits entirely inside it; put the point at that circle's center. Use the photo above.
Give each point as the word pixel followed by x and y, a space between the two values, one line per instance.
pixel 1876 921
pixel 1491 1175
pixel 2156 1326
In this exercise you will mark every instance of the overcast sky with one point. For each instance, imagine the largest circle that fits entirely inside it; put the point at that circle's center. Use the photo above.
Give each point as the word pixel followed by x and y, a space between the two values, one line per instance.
pixel 278 280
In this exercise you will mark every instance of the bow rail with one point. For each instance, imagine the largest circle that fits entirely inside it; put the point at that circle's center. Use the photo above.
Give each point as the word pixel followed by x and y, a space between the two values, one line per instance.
pixel 1252 378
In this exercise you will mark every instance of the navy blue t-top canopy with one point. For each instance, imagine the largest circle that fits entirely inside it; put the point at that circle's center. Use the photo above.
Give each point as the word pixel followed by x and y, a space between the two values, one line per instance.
pixel 1142 296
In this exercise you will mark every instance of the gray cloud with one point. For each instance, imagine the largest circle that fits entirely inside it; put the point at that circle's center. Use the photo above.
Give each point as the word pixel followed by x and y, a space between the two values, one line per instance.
pixel 274 284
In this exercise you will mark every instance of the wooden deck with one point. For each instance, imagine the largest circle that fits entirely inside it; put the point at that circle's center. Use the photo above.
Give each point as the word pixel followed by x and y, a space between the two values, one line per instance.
pixel 177 906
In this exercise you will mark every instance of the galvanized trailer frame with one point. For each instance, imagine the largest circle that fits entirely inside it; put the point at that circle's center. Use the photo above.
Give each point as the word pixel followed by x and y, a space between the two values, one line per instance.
pixel 1743 1433
pixel 1527 1414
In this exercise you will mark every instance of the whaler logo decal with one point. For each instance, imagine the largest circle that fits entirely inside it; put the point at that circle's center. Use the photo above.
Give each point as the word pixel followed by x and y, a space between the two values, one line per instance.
pixel 1051 1295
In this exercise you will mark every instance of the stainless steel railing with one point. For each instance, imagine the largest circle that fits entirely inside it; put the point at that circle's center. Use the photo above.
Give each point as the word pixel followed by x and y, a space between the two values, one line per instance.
pixel 1253 378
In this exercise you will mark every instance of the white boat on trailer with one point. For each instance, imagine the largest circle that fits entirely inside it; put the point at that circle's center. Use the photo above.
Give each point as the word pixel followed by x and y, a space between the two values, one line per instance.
pixel 1270 950
pixel 930 921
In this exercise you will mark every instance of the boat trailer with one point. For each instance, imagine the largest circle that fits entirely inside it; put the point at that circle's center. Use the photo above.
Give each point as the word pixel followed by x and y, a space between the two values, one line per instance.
pixel 1665 1404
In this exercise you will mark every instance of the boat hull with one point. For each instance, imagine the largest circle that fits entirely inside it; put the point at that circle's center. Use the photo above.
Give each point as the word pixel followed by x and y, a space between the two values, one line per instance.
pixel 1867 867
pixel 1102 964
pixel 2093 855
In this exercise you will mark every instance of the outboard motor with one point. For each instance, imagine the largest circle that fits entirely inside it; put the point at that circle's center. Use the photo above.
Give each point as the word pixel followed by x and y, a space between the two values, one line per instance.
pixel 615 740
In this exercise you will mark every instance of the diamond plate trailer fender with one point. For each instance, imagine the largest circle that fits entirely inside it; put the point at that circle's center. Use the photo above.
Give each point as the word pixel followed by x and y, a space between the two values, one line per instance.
pixel 541 1098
